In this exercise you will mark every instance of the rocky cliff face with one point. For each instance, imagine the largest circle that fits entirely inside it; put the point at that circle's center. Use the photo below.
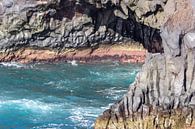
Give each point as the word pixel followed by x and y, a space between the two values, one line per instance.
pixel 162 96
pixel 163 93
pixel 59 24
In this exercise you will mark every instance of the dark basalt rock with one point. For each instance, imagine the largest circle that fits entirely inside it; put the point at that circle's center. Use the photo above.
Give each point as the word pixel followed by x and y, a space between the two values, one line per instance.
pixel 162 96
pixel 163 93
pixel 59 24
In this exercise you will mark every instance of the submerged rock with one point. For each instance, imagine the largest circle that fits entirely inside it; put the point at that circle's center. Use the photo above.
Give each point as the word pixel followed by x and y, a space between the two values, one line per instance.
pixel 162 96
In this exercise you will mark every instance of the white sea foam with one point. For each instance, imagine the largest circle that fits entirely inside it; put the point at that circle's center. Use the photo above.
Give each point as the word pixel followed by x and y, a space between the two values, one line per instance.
pixel 59 84
pixel 112 93
pixel 134 72
pixel 80 116
pixel 85 116
pixel 25 104
pixel 95 73
pixel 51 126
pixel 107 107
pixel 50 83
pixel 12 64
pixel 73 63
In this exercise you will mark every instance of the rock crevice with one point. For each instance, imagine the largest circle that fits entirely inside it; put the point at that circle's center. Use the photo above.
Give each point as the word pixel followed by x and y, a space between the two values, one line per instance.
pixel 60 24
pixel 162 96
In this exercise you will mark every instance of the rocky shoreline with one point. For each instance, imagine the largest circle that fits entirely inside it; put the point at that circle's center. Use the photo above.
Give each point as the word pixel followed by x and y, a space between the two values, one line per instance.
pixel 163 94
pixel 123 53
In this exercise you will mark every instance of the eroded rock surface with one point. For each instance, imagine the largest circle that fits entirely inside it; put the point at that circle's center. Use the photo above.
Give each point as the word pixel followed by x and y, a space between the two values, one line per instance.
pixel 163 94
pixel 60 24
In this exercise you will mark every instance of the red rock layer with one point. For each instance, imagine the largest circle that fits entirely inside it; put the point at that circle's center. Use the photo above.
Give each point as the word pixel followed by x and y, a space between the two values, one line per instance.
pixel 126 53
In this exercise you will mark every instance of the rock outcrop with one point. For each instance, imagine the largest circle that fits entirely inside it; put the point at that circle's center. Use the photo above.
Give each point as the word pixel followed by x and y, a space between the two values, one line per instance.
pixel 60 24
pixel 163 94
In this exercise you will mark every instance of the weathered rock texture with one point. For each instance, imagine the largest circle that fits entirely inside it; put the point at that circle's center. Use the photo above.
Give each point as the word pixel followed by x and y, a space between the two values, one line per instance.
pixel 60 24
pixel 123 53
pixel 163 94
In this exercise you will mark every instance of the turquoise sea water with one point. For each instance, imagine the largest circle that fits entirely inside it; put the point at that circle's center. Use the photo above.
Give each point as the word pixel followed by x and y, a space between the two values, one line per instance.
pixel 64 96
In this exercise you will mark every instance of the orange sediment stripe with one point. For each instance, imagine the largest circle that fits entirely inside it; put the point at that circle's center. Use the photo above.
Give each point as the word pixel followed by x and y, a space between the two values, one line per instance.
pixel 119 53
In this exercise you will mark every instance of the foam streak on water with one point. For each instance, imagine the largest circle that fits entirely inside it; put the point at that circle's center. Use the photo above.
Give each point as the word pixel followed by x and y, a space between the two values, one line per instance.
pixel 60 96
pixel 12 64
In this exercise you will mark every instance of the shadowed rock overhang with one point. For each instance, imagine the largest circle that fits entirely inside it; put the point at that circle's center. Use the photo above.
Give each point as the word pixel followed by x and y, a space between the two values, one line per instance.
pixel 60 24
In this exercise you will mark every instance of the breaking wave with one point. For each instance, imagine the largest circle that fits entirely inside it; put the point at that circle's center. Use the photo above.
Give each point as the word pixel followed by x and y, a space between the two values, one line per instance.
pixel 12 64
pixel 59 96
pixel 25 104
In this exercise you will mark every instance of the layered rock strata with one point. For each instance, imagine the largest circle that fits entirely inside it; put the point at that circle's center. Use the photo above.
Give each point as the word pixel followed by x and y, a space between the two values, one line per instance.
pixel 123 53
pixel 163 94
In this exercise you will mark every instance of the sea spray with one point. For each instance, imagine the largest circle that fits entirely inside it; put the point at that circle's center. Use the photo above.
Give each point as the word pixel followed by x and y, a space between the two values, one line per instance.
pixel 60 95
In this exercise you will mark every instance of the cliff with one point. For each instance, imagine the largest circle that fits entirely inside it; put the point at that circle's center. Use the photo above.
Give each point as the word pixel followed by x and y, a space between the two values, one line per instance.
pixel 57 25
pixel 162 96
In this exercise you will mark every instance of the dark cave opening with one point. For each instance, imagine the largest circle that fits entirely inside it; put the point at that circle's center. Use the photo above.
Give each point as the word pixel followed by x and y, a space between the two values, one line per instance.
pixel 128 28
